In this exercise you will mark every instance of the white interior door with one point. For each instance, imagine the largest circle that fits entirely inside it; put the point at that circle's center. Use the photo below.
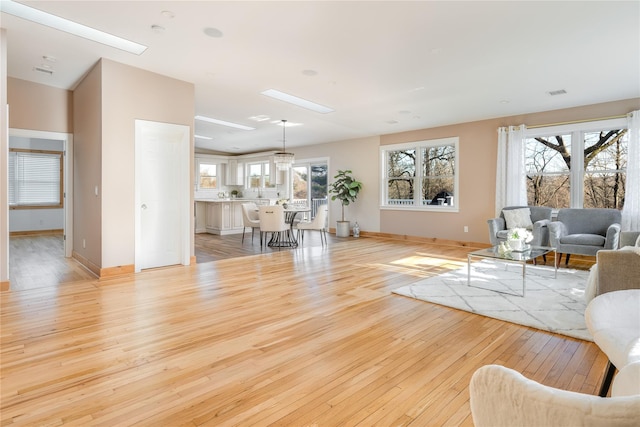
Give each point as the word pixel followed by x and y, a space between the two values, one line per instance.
pixel 162 194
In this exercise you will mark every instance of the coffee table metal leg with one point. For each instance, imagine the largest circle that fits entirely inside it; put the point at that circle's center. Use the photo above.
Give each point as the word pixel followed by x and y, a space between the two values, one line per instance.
pixel 524 277
pixel 468 270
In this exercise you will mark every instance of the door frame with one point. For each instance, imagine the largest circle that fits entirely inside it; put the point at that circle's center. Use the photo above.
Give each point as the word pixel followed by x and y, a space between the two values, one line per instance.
pixel 307 163
pixel 67 177
pixel 184 198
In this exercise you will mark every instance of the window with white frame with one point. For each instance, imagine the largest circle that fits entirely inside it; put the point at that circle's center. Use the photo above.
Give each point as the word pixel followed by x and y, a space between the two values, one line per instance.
pixel 259 176
pixel 420 175
pixel 579 165
pixel 35 179
pixel 207 175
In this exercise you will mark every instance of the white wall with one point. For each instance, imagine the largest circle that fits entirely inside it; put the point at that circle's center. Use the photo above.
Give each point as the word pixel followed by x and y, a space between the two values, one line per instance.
pixel 36 219
pixel 4 176
pixel 362 157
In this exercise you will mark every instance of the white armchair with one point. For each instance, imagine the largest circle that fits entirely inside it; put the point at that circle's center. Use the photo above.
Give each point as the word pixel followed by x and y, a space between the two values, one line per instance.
pixel 613 319
pixel 503 397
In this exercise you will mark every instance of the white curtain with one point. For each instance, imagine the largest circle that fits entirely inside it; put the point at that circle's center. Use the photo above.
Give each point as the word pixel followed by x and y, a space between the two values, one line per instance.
pixel 631 209
pixel 511 187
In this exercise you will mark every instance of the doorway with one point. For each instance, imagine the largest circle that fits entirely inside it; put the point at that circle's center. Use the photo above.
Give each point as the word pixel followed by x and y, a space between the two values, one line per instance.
pixel 162 195
pixel 36 224
pixel 310 183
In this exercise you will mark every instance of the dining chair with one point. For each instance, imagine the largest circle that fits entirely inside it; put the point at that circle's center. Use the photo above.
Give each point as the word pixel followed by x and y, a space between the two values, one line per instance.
pixel 319 222
pixel 272 221
pixel 250 218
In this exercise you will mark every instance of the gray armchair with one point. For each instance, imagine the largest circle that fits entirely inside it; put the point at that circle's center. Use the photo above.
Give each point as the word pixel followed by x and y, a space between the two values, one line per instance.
pixel 540 217
pixel 585 231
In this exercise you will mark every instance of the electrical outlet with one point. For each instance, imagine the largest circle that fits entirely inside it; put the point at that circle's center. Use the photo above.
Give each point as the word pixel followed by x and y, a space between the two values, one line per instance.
pixel 466 228
pixel 84 243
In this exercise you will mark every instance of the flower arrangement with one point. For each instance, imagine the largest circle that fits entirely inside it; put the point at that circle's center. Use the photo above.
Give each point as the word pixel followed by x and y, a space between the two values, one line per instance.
pixel 521 234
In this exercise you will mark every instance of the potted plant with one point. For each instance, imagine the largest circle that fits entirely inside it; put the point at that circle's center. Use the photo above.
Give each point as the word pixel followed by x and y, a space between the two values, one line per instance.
pixel 345 188
pixel 519 238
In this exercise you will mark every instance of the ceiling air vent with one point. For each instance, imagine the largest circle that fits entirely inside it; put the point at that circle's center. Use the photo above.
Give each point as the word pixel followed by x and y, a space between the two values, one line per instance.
pixel 44 70
pixel 557 92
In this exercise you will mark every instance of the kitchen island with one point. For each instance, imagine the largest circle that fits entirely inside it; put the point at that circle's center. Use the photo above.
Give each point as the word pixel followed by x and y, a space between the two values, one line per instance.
pixel 221 216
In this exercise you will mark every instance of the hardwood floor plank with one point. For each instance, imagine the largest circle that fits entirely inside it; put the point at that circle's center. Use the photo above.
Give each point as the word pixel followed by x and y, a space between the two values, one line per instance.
pixel 309 336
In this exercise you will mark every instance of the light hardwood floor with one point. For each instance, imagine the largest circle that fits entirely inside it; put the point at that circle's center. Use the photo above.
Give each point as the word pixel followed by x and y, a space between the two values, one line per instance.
pixel 304 337
pixel 37 261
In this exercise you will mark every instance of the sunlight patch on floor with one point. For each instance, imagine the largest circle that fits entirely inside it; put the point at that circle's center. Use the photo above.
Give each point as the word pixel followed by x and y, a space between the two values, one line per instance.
pixel 420 266
pixel 425 261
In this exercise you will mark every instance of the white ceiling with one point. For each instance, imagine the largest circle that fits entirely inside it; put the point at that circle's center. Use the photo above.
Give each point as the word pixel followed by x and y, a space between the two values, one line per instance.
pixel 383 66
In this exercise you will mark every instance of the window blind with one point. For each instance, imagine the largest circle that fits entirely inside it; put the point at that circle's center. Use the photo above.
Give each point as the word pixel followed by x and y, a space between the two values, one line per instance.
pixel 34 178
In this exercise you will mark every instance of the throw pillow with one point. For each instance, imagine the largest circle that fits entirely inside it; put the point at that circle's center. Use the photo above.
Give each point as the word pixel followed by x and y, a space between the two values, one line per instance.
pixel 518 218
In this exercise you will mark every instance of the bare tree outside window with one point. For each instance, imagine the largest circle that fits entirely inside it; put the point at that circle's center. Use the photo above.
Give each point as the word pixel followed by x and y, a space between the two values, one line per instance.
pixel 602 176
pixel 421 174
pixel 439 171
pixel 605 166
pixel 547 166
pixel 401 176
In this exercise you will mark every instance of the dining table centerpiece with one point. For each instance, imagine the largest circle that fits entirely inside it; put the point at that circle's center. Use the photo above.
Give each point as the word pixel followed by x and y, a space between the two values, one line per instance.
pixel 283 202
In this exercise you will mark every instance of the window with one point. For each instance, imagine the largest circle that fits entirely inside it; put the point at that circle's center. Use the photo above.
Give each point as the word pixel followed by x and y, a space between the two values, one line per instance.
pixel 421 175
pixel 35 179
pixel 258 175
pixel 208 176
pixel 581 165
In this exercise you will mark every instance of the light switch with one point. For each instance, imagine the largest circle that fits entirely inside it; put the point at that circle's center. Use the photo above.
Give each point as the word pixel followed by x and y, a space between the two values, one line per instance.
pixel 96 190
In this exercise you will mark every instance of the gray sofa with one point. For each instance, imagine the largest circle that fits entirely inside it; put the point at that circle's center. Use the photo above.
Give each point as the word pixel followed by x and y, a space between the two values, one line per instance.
pixel 584 231
pixel 540 217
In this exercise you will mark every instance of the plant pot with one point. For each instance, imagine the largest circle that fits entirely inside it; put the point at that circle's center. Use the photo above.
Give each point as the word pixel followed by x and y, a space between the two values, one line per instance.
pixel 516 244
pixel 343 228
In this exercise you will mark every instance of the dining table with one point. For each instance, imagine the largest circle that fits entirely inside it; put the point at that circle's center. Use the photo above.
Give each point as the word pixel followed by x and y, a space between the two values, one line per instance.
pixel 290 214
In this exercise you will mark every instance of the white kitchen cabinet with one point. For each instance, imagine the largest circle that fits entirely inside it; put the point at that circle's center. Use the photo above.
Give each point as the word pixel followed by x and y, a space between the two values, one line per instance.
pixel 200 217
pixel 224 217
pixel 235 172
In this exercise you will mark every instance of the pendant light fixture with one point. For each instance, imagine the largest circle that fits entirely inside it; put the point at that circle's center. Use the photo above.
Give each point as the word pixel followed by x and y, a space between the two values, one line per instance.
pixel 283 160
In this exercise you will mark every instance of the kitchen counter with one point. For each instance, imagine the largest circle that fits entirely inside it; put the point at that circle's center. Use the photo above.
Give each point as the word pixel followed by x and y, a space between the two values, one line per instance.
pixel 237 199
pixel 221 216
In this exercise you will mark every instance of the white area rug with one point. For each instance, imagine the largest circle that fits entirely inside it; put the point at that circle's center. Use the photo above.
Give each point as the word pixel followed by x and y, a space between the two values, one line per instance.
pixel 555 305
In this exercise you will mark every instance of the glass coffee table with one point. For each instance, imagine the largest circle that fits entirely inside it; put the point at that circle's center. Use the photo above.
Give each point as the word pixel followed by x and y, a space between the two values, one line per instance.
pixel 518 257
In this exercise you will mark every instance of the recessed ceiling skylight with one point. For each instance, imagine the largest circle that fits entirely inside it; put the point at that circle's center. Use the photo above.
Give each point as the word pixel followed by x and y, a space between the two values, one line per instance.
pixel 223 123
pixel 297 101
pixel 62 24
pixel 260 118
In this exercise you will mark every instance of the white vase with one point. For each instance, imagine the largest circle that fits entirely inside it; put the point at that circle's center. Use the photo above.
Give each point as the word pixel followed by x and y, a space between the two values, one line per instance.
pixel 516 244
